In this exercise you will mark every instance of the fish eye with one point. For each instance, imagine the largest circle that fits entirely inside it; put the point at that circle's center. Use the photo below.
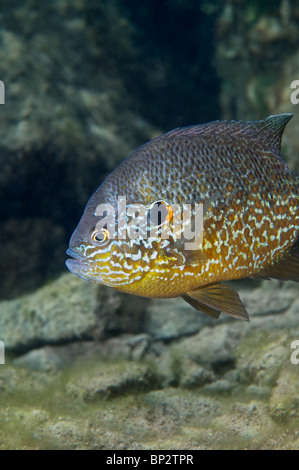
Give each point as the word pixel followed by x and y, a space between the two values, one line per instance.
pixel 100 237
pixel 160 212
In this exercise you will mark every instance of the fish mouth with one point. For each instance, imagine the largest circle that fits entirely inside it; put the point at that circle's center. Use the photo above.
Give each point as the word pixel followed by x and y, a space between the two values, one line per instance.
pixel 77 264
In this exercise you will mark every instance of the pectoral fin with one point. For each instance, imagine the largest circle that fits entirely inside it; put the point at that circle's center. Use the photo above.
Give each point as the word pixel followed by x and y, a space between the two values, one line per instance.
pixel 192 300
pixel 216 298
pixel 194 255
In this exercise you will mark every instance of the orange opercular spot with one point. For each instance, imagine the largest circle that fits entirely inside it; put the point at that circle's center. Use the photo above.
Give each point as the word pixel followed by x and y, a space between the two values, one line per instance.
pixel 170 213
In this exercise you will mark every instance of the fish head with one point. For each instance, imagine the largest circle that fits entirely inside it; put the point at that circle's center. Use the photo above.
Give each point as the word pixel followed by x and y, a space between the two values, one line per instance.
pixel 121 243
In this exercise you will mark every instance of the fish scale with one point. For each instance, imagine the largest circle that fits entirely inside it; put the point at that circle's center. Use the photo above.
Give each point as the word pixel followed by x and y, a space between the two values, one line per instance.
pixel 250 216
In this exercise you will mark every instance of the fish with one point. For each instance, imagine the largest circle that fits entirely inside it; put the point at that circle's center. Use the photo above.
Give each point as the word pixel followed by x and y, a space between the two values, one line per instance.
pixel 225 184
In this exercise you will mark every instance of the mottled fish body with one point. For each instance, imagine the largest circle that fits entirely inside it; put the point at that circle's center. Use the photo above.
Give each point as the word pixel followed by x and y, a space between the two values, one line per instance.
pixel 250 202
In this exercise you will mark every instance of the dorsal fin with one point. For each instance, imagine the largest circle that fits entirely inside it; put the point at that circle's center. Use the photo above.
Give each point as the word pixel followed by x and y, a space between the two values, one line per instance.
pixel 268 131
pixel 271 130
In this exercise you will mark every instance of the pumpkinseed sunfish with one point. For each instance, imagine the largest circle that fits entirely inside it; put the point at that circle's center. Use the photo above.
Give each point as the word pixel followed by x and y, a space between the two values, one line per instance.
pixel 230 173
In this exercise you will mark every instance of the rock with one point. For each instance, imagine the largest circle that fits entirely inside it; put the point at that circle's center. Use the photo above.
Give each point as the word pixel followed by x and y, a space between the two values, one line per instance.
pixel 284 401
pixel 193 376
pixel 40 359
pixel 68 309
pixel 129 318
pixel 183 404
pixel 258 392
pixel 246 425
pixel 173 318
pixel 261 355
pixel 99 404
pixel 131 347
pixel 111 380
pixel 270 298
pixel 54 358
pixel 202 358
pixel 220 386
pixel 63 310
pixel 231 354
pixel 212 346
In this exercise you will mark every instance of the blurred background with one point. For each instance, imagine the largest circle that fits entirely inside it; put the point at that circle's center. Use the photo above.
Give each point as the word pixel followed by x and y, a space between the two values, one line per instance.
pixel 86 83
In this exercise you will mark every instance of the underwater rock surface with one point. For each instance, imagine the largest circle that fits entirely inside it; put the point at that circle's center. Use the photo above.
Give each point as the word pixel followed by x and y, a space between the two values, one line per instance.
pixel 67 309
pixel 226 384
pixel 124 405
